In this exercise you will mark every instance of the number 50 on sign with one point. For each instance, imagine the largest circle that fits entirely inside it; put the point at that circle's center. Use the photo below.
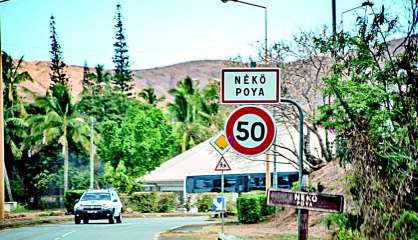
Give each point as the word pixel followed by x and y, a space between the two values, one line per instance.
pixel 250 130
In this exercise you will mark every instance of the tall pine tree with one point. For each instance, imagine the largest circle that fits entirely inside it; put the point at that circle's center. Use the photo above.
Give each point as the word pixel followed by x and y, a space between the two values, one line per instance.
pixel 123 75
pixel 88 80
pixel 85 71
pixel 57 66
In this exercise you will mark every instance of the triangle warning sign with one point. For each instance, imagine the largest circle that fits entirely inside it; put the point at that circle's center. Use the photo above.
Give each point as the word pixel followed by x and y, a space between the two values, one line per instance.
pixel 222 165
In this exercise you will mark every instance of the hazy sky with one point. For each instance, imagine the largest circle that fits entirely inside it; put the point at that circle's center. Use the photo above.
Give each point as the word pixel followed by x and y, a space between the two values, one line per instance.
pixel 160 32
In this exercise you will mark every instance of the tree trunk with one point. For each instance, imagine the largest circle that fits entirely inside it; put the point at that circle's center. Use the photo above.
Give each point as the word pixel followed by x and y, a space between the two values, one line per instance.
pixel 65 153
pixel 7 183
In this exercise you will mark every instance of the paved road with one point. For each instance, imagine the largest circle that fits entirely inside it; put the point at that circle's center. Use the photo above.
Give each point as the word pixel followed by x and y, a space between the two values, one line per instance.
pixel 131 228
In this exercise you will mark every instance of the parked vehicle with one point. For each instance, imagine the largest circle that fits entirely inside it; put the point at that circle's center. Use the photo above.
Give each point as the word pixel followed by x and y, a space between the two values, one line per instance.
pixel 98 204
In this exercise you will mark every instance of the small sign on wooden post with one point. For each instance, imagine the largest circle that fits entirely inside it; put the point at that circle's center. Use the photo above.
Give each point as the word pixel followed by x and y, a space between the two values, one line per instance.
pixel 305 200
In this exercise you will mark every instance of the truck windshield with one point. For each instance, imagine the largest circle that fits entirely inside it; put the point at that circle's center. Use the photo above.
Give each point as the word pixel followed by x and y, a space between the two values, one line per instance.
pixel 96 196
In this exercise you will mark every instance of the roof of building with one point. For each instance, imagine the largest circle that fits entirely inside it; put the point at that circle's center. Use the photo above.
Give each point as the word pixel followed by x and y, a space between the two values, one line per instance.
pixel 203 158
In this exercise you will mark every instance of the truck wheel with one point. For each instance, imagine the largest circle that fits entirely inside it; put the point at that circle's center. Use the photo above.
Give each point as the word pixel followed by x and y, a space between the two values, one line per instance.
pixel 77 220
pixel 111 219
pixel 119 218
pixel 85 220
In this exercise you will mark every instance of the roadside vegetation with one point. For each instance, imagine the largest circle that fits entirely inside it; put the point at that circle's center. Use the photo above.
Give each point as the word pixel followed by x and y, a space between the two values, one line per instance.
pixel 373 85
pixel 361 86
pixel 48 136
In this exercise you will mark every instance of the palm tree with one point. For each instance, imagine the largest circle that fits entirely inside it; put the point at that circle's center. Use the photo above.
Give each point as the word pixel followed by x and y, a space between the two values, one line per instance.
pixel 149 96
pixel 186 101
pixel 101 75
pixel 59 122
pixel 96 83
pixel 185 110
pixel 14 107
pixel 14 110
pixel 211 112
pixel 12 77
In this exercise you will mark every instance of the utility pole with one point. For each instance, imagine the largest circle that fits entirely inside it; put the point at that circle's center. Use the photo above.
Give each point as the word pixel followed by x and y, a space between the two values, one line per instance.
pixel 265 36
pixel 1 136
pixel 2 168
pixel 268 177
pixel 334 28
pixel 302 235
pixel 268 174
pixel 91 153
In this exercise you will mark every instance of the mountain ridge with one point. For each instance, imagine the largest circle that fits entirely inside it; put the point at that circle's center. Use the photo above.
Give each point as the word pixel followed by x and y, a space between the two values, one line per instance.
pixel 162 79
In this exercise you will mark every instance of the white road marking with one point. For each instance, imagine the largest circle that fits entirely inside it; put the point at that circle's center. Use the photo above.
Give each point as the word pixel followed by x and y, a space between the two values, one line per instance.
pixel 179 226
pixel 66 234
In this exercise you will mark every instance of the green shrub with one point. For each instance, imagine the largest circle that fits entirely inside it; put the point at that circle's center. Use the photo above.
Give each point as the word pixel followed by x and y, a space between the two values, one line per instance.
pixel 266 210
pixel 20 208
pixel 262 200
pixel 407 225
pixel 144 201
pixel 151 201
pixel 70 199
pixel 252 206
pixel 249 209
pixel 348 234
pixel 204 202
pixel 124 198
pixel 127 201
pixel 344 226
pixel 167 201
pixel 231 204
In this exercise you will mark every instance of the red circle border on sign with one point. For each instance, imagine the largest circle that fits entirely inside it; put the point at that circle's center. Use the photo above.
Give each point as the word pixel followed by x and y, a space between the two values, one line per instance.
pixel 268 140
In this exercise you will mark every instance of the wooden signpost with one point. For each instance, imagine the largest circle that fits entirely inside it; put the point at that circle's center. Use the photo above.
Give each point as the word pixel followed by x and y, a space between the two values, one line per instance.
pixel 305 201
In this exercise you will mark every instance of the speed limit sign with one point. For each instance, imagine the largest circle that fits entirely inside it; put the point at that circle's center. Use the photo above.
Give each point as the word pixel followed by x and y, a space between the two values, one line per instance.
pixel 250 130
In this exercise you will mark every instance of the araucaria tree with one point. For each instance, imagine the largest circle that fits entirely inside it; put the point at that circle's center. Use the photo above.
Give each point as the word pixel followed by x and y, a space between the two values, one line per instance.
pixel 123 75
pixel 57 67
pixel 55 118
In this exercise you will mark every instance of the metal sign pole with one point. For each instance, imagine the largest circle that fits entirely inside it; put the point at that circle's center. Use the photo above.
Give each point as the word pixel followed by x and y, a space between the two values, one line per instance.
pixel 223 201
pixel 301 145
pixel 91 153
pixel 274 156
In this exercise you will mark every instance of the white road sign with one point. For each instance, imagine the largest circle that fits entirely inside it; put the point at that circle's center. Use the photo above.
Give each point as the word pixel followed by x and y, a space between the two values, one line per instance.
pixel 250 85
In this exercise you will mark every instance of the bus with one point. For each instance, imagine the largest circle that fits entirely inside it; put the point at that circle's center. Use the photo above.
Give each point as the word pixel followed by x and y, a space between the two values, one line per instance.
pixel 242 182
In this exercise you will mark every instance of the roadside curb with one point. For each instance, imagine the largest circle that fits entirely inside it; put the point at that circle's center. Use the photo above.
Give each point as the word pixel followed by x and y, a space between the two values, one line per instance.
pixel 26 221
pixel 157 237
pixel 17 223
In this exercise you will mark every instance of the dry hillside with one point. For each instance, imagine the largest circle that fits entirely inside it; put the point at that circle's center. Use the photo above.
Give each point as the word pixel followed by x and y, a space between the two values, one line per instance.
pixel 161 78
pixel 299 79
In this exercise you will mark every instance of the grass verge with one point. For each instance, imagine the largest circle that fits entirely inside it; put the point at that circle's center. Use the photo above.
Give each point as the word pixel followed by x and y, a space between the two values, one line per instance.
pixel 260 231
